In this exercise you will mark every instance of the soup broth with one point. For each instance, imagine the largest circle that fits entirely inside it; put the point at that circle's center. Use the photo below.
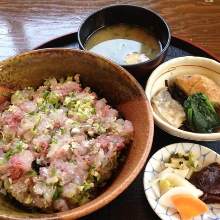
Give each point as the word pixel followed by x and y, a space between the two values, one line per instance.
pixel 124 44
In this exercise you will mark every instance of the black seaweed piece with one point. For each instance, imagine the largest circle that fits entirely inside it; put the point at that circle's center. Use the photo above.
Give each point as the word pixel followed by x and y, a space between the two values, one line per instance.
pixel 179 156
pixel 176 93
pixel 185 126
pixel 35 166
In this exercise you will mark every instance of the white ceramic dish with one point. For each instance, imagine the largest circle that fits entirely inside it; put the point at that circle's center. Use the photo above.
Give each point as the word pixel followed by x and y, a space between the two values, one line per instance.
pixel 176 66
pixel 156 164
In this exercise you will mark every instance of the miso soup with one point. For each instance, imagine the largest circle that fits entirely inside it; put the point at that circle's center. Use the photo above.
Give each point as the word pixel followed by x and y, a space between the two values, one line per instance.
pixel 124 44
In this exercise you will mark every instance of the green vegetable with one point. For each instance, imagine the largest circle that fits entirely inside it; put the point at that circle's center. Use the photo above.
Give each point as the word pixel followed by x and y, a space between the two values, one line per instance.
pixel 53 171
pixel 31 173
pixel 51 98
pixel 69 78
pixel 45 94
pixel 54 140
pixel 201 115
pixel 2 161
pixel 62 130
pixel 81 107
pixel 182 161
pixel 81 198
pixel 58 192
pixel 21 95
pixel 99 127
pixel 87 186
pixel 192 162
pixel 17 149
pixel 93 175
pixel 184 164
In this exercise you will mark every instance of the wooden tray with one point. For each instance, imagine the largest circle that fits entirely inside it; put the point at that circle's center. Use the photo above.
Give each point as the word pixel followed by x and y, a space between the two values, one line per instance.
pixel 132 204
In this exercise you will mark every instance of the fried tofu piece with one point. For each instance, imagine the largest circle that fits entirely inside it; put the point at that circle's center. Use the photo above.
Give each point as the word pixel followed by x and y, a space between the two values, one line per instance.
pixel 191 84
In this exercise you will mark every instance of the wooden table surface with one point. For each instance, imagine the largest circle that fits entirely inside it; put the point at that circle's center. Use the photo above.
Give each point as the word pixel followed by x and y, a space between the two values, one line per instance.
pixel 24 24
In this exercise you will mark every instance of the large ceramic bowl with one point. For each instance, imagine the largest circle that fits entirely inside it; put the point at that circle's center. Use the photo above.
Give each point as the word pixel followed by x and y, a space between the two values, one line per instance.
pixel 107 79
pixel 179 66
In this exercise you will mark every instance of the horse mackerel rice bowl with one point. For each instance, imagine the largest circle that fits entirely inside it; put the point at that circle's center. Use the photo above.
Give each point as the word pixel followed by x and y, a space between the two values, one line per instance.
pixel 112 82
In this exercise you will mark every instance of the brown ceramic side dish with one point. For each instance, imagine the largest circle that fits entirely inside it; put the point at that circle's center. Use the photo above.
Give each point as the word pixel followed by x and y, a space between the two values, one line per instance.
pixel 108 80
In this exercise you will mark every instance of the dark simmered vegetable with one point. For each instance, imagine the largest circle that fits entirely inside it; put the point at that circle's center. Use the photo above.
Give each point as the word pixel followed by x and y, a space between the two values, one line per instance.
pixel 200 113
pixel 205 179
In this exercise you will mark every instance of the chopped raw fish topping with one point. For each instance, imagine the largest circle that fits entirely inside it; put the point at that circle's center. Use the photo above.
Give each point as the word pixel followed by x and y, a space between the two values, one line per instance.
pixel 59 144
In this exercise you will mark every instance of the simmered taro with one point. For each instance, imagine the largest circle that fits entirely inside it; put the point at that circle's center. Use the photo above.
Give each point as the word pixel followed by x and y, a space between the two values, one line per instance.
pixel 168 108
